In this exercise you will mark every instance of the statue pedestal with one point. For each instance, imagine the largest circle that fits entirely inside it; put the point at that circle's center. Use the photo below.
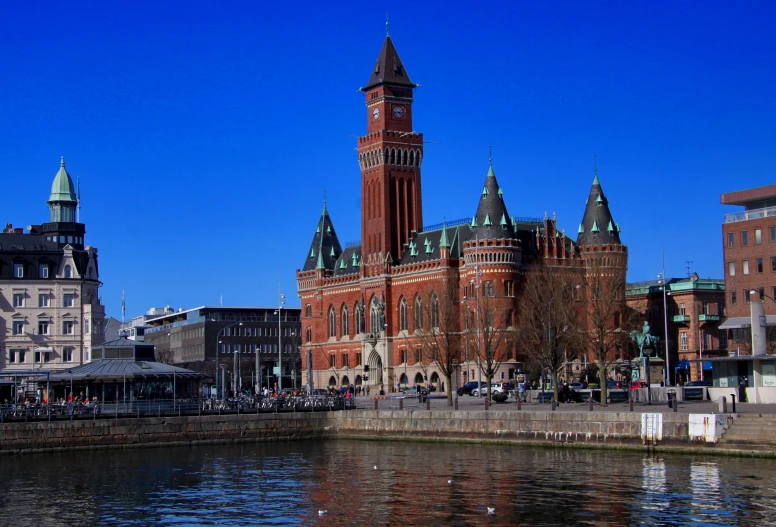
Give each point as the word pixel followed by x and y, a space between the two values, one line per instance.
pixel 656 367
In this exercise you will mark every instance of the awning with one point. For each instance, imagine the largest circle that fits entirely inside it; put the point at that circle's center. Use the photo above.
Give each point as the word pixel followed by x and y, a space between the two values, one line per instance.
pixel 736 322
pixel 706 366
pixel 683 365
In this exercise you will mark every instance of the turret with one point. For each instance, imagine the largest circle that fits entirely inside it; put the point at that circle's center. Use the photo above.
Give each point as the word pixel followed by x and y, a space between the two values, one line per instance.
pixel 325 247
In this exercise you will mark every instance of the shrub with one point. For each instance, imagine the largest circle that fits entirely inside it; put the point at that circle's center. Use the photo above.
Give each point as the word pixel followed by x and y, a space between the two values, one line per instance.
pixel 500 397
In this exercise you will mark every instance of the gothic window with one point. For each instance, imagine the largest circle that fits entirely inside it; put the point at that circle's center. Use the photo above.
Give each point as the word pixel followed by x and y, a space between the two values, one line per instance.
pixel 412 158
pixel 332 364
pixel 418 313
pixel 309 335
pixel 376 316
pixel 403 314
pixel 509 288
pixel 345 321
pixel 434 311
pixel 332 322
pixel 308 311
pixel 489 289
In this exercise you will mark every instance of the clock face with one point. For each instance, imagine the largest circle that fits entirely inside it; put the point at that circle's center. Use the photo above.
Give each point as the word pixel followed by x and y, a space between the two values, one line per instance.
pixel 398 112
pixel 376 113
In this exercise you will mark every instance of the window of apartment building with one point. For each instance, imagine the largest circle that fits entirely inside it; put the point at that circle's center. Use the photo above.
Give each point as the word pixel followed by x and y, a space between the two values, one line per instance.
pixel 43 328
pixel 744 239
pixel 707 344
pixel 761 294
pixel 773 263
pixel 722 339
pixel 68 327
pixel 404 356
pixel 43 271
pixel 733 297
pixel 731 268
pixel 43 300
pixel 67 300
pixel 758 236
pixel 730 239
pixel 746 296
pixel 773 233
pixel 18 270
pixel 683 339
pixel 67 354
pixel 17 356
pixel 759 265
pixel 509 288
pixel 745 267
pixel 682 309
pixel 42 356
pixel 18 328
pixel 332 361
pixel 18 300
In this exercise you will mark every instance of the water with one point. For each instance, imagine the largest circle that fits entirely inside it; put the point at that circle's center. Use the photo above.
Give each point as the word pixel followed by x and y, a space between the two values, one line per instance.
pixel 287 484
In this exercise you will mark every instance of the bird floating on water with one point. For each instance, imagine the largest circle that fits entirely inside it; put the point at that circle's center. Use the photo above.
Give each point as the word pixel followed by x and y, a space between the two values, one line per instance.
pixel 375 467
pixel 449 481
pixel 322 512
pixel 491 510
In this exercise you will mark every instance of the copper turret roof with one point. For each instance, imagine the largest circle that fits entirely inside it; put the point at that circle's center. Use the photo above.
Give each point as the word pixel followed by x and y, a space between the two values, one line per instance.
pixel 598 227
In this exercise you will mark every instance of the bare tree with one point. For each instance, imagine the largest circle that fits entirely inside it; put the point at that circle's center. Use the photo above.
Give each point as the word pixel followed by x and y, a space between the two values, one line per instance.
pixel 605 321
pixel 544 332
pixel 441 343
pixel 487 336
pixel 164 355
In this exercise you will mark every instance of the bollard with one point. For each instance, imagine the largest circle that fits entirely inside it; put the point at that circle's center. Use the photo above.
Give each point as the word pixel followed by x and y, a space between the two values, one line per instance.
pixel 676 402
pixel 376 401
pixel 553 405
pixel 733 401
pixel 722 405
pixel 518 403
pixel 631 405
pixel 456 402
pixel 401 404
pixel 590 403
pixel 428 403
pixel 486 403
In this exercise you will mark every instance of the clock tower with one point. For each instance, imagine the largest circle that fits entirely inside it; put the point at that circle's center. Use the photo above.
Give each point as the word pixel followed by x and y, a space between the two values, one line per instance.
pixel 389 155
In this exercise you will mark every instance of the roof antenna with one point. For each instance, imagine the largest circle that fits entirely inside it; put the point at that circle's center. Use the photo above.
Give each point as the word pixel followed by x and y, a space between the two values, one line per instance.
pixel 78 219
pixel 687 263
pixel 387 26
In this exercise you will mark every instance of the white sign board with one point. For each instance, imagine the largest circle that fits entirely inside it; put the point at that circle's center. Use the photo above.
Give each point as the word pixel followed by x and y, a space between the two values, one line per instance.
pixel 769 374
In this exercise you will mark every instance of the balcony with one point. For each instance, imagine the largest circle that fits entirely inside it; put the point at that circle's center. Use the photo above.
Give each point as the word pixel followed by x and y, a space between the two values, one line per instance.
pixel 680 318
pixel 708 318
pixel 744 215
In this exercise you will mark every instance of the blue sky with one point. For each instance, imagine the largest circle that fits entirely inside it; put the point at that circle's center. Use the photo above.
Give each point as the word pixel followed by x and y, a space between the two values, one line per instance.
pixel 205 133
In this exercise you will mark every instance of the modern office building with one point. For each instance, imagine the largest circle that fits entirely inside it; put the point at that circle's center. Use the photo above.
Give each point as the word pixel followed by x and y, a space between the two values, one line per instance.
pixel 749 248
pixel 243 342
pixel 51 312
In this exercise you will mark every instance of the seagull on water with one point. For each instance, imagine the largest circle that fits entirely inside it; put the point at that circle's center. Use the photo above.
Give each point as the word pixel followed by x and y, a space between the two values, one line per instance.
pixel 322 512
pixel 449 481
pixel 491 510
pixel 375 467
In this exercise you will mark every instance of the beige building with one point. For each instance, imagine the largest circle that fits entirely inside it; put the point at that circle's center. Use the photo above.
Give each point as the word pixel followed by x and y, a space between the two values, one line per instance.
pixel 50 310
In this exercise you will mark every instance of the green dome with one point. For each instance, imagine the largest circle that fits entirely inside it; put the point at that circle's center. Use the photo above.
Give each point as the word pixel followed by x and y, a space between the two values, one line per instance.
pixel 62 188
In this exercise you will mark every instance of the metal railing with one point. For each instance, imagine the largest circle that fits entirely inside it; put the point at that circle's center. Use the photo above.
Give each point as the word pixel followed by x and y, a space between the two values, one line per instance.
pixel 750 214
pixel 172 407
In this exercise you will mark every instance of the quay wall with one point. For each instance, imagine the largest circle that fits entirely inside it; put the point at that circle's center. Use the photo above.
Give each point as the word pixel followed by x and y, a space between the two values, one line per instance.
pixel 597 429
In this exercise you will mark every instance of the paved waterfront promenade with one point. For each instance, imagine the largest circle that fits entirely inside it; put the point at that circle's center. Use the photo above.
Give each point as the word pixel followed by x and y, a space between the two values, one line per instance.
pixel 473 403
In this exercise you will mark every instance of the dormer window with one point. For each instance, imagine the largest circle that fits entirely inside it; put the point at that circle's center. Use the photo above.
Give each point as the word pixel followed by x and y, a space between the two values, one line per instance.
pixel 43 271
pixel 68 272
pixel 18 270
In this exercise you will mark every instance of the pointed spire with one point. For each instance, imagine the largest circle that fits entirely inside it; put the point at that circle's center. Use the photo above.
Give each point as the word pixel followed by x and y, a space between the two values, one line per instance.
pixel 389 68
pixel 62 201
pixel 443 241
pixel 491 206
pixel 595 170
pixel 597 214
pixel 325 247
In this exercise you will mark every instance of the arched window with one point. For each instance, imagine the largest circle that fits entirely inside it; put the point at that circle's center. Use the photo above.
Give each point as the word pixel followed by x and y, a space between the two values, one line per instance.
pixel 434 311
pixel 418 313
pixel 403 314
pixel 418 378
pixel 332 381
pixel 489 289
pixel 403 379
pixel 308 311
pixel 345 322
pixel 309 335
pixel 68 272
pixel 332 322
pixel 376 316
pixel 345 380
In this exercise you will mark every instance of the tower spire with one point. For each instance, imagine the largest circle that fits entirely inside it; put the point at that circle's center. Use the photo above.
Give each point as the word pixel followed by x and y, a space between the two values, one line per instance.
pixel 387 25
pixel 595 170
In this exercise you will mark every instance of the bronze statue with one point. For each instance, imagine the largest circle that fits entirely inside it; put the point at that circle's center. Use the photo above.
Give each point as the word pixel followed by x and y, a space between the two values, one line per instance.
pixel 644 340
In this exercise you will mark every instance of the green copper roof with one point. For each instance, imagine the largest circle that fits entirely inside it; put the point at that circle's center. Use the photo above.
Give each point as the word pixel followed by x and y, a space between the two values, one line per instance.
pixel 474 221
pixel 62 188
pixel 485 191
pixel 487 223
pixel 595 227
pixel 599 200
pixel 443 241
pixel 503 221
pixel 610 228
pixel 581 229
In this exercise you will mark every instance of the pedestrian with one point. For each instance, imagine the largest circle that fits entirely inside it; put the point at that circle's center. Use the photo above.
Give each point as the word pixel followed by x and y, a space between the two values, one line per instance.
pixel 367 391
pixel 521 390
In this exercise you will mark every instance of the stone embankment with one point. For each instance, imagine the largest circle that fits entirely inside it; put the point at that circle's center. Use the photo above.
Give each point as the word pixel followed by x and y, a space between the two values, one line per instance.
pixel 706 433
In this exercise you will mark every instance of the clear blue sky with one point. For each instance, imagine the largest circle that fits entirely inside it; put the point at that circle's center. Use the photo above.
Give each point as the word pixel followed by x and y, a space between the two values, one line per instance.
pixel 205 133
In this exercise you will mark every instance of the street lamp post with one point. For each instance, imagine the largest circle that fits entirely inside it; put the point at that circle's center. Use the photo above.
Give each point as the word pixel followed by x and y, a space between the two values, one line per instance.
pixel 662 280
pixel 281 301
pixel 218 348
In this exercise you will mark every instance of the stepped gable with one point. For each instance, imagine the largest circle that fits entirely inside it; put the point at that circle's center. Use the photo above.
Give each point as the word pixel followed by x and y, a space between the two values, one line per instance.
pixel 325 248
pixel 389 69
pixel 492 221
pixel 598 227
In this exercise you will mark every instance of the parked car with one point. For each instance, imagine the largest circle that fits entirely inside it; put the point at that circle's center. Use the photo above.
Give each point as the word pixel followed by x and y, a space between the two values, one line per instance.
pixel 576 386
pixel 635 385
pixel 502 387
pixel 467 388
pixel 413 391
pixel 698 383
